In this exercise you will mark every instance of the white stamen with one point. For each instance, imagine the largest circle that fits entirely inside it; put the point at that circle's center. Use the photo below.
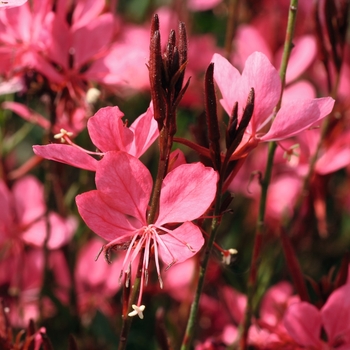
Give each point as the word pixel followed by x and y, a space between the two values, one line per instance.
pixel 61 135
pixel 138 310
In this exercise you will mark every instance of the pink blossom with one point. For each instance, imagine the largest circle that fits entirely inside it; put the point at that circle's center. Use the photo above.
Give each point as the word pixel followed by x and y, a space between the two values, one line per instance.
pixel 69 49
pixel 333 155
pixel 42 39
pixel 258 73
pixel 304 322
pixel 249 39
pixel 117 211
pixel 24 35
pixel 126 63
pixel 108 133
pixel 179 280
pixel 23 216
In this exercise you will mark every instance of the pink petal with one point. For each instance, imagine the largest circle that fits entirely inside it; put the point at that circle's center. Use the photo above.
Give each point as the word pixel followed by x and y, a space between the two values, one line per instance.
pixel 274 302
pixel 333 160
pixel 125 64
pixel 297 116
pixel 40 13
pixel 68 155
pixel 99 32
pixel 187 192
pixel 176 159
pixel 261 75
pixel 86 11
pixel 27 114
pixel 28 194
pixel 95 276
pixel 127 182
pixel 61 42
pixel 107 130
pixel 102 218
pixel 248 39
pixel 237 303
pixel 336 316
pixel 229 334
pixel 282 205
pixel 335 156
pixel 181 244
pixel 18 21
pixel 47 69
pixel 300 90
pixel 303 323
pixel 145 129
pixel 177 280
pixel 91 274
pixel 303 54
pixel 226 77
pixel 61 231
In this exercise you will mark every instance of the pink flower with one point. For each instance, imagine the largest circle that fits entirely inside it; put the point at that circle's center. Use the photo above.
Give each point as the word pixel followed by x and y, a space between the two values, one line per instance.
pixel 70 50
pixel 304 322
pixel 24 227
pixel 22 218
pixel 108 133
pixel 258 73
pixel 249 39
pixel 24 35
pixel 125 65
pixel 117 211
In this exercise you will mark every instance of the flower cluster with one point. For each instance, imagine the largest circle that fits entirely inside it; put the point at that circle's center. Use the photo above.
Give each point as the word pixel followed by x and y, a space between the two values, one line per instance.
pixel 203 208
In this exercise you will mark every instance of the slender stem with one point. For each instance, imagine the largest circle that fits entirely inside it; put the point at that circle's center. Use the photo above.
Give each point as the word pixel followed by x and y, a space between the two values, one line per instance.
pixel 252 281
pixel 189 333
pixel 165 143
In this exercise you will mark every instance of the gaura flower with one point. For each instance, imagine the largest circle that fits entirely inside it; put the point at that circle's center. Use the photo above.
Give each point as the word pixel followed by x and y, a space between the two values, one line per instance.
pixel 23 219
pixel 108 133
pixel 306 324
pixel 258 73
pixel 117 211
